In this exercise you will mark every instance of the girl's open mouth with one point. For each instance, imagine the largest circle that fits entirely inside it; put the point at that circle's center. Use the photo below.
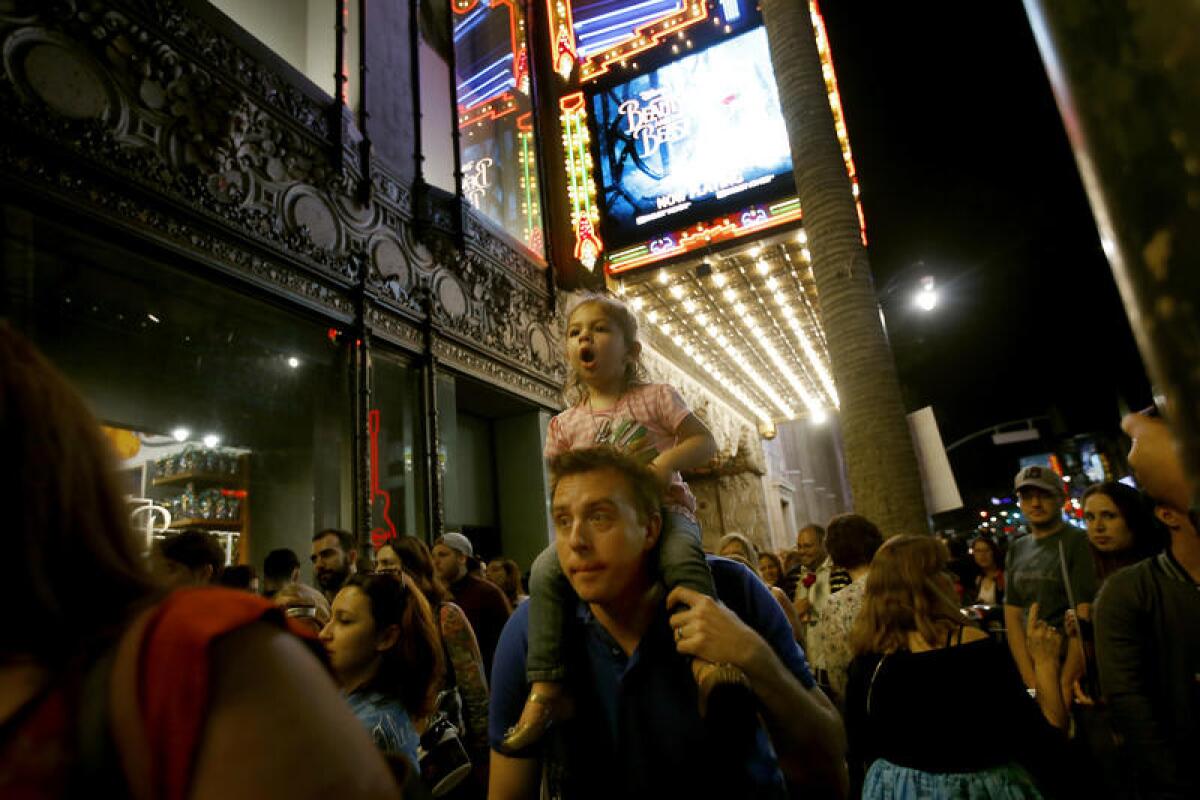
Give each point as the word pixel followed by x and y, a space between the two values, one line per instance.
pixel 587 356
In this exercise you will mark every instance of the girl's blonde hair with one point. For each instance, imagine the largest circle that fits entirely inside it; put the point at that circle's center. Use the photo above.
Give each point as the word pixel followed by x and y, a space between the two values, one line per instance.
pixel 574 390
pixel 907 591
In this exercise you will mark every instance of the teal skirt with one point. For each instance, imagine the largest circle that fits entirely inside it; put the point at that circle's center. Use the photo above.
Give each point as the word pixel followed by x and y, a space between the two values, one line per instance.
pixel 888 781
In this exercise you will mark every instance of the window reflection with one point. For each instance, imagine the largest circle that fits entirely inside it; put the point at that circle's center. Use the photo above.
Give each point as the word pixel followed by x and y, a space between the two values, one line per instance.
pixel 498 144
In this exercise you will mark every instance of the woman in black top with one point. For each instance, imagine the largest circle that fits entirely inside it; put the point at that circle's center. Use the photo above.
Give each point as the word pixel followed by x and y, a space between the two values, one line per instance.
pixel 917 661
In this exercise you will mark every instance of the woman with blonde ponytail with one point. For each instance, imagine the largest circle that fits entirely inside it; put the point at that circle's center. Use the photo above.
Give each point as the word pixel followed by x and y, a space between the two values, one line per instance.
pixel 918 662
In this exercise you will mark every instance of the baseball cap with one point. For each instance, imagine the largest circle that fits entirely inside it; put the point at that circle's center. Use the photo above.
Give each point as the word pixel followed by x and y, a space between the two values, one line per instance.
pixel 456 541
pixel 1039 477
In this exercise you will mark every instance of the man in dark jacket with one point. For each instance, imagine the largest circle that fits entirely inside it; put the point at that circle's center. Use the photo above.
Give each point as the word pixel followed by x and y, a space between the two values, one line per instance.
pixel 1148 632
pixel 485 605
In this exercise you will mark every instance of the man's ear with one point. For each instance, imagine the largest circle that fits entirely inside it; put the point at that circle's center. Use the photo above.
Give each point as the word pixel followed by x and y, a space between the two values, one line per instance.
pixel 653 530
pixel 1169 516
pixel 387 638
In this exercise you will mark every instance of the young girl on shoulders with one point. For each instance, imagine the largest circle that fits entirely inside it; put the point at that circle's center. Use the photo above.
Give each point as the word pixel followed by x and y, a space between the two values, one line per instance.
pixel 613 404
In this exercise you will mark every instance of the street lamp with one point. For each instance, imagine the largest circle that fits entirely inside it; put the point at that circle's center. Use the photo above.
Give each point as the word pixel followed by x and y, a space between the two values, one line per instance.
pixel 926 298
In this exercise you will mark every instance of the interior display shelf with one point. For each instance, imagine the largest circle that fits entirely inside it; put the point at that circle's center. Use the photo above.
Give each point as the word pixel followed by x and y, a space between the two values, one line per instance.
pixel 184 478
pixel 199 522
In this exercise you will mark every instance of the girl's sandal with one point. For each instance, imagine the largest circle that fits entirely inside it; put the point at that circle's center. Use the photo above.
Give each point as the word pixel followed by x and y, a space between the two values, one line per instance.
pixel 521 736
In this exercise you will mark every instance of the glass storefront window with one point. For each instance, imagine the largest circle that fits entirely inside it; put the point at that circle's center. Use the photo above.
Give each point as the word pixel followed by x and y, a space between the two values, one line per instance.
pixel 301 32
pixel 227 411
pixel 498 143
pixel 397 453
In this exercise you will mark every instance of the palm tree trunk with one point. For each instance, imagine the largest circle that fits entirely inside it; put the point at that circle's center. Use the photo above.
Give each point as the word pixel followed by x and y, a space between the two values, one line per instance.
pixel 882 467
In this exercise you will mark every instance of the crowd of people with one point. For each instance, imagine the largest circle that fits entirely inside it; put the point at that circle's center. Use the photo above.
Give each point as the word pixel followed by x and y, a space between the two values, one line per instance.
pixel 637 665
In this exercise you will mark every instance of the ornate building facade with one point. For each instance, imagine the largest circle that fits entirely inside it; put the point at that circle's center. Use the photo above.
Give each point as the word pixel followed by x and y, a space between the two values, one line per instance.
pixel 232 262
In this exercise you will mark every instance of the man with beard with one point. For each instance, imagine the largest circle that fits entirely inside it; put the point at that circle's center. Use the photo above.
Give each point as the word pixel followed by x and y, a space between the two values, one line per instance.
pixel 334 558
pixel 483 602
pixel 1051 567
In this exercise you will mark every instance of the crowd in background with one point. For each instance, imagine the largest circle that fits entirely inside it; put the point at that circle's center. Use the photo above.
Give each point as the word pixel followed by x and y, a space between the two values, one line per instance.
pixel 1070 658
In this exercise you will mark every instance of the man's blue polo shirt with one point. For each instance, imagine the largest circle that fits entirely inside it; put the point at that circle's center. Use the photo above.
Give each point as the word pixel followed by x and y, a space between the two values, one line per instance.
pixel 637 731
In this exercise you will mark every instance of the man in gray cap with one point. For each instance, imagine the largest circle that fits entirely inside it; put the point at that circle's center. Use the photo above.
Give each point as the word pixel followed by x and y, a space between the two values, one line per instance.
pixel 484 603
pixel 1051 567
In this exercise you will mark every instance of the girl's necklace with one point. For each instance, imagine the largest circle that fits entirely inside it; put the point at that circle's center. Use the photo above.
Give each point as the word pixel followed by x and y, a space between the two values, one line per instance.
pixel 603 428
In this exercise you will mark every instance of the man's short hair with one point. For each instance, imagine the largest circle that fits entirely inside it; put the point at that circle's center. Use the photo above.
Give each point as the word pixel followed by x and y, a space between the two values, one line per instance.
pixel 279 564
pixel 852 540
pixel 194 549
pixel 643 485
pixel 816 528
pixel 345 538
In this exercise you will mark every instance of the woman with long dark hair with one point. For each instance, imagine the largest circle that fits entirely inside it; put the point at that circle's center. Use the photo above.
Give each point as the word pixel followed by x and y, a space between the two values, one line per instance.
pixel 917 656
pixel 384 650
pixel 461 648
pixel 199 693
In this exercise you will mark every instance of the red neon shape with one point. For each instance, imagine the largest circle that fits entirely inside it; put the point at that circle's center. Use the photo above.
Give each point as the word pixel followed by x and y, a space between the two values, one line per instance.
pixel 379 535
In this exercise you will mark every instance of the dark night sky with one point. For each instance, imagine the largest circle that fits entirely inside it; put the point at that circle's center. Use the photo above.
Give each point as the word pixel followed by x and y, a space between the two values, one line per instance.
pixel 964 166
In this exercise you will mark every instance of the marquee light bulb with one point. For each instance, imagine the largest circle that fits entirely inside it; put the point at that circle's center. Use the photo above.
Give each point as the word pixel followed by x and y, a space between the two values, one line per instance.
pixel 802 236
pixel 677 292
pixel 763 267
pixel 702 319
pixel 652 315
pixel 806 254
pixel 689 306
pixel 730 295
pixel 663 277
pixel 665 328
pixel 719 280
pixel 740 309
pixel 772 284
pixel 638 303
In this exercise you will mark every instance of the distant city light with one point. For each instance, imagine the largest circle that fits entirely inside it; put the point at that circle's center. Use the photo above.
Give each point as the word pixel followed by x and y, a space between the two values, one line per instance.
pixel 180 434
pixel 926 298
pixel 211 440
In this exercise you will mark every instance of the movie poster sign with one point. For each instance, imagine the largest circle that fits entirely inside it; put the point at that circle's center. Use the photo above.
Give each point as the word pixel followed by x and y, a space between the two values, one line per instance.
pixel 695 139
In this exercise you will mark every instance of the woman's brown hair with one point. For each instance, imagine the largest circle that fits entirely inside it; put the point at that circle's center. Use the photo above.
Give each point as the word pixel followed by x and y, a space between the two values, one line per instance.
pixel 77 574
pixel 412 668
pixel 907 592
pixel 417 561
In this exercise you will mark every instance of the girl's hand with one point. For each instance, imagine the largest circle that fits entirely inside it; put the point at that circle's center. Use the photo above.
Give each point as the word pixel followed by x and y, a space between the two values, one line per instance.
pixel 662 473
pixel 1081 697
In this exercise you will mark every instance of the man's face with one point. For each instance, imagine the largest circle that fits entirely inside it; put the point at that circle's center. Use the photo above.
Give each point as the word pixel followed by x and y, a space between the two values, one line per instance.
pixel 809 546
pixel 1040 507
pixel 601 545
pixel 331 564
pixel 449 563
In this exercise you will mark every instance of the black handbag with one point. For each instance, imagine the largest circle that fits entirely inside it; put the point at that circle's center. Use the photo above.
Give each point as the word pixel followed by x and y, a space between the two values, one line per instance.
pixel 443 757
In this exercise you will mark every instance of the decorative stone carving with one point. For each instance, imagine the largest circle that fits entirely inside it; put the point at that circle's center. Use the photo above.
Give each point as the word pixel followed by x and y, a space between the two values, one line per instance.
pixel 156 98
pixel 493 370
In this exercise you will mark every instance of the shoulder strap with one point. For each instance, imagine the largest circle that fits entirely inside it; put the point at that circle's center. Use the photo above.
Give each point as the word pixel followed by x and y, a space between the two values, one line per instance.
pixel 1066 573
pixel 114 756
pixel 871 685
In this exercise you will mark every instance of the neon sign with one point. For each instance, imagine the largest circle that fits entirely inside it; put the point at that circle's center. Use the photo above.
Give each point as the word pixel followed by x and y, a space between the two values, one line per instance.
pixel 585 214
pixel 385 531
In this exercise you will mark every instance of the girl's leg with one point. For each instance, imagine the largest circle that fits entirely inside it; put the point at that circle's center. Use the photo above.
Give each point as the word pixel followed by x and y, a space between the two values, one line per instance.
pixel 680 556
pixel 549 591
